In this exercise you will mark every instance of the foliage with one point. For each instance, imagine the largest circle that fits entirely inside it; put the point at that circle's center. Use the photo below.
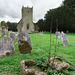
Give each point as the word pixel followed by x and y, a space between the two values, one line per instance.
pixel 40 61
pixel 50 69
pixel 41 25
pixel 4 24
pixel 69 3
pixel 12 26
pixel 43 63
pixel 66 72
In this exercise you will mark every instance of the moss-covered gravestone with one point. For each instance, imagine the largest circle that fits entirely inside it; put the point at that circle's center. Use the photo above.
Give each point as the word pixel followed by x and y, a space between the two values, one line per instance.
pixel 24 47
pixel 24 43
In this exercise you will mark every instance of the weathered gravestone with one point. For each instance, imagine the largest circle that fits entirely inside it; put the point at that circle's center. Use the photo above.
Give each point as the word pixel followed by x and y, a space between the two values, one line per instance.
pixel 24 43
pixel 58 34
pixel 12 36
pixel 16 34
pixel 64 39
pixel 3 32
pixel 5 35
pixel 0 35
pixel 41 33
pixel 6 47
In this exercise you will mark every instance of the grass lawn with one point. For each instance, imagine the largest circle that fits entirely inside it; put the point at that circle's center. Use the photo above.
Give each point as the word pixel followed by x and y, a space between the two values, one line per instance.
pixel 40 46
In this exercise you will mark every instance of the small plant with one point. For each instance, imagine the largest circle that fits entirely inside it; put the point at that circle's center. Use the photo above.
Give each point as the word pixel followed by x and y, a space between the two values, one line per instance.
pixel 50 69
pixel 66 72
pixel 49 61
pixel 40 61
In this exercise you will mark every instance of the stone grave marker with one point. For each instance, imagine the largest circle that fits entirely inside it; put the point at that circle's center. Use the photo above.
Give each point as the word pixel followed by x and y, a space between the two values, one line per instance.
pixel 41 33
pixel 0 35
pixel 62 35
pixel 16 34
pixel 6 47
pixel 64 40
pixel 12 36
pixel 58 34
pixel 24 43
pixel 5 35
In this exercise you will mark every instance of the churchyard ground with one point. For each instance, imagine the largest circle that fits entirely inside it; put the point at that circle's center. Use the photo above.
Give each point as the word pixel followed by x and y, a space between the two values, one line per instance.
pixel 40 47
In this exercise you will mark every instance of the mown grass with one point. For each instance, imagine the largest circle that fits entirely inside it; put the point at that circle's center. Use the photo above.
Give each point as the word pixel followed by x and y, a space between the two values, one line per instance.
pixel 40 47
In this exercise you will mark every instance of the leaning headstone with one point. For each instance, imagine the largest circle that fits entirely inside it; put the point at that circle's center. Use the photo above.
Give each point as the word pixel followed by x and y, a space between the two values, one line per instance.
pixel 12 36
pixel 6 47
pixel 62 35
pixel 64 39
pixel 24 43
pixel 41 33
pixel 58 34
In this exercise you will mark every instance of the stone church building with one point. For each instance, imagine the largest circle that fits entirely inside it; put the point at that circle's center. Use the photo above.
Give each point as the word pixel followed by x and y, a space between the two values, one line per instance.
pixel 26 23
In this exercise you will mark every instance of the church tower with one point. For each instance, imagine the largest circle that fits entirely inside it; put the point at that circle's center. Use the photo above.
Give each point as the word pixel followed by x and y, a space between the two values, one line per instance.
pixel 26 25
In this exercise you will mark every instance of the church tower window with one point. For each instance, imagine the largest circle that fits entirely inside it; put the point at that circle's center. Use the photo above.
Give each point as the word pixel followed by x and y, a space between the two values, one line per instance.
pixel 28 26
pixel 28 11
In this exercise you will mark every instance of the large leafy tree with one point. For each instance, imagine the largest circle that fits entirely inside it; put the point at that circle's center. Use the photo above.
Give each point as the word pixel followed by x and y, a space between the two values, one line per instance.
pixel 69 3
pixel 65 17
pixel 40 23
pixel 3 23
pixel 12 26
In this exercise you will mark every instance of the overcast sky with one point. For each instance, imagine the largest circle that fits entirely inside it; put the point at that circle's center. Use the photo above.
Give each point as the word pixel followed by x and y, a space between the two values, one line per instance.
pixel 10 10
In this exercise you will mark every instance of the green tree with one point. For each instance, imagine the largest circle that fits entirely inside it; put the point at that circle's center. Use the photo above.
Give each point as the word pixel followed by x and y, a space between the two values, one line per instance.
pixel 40 23
pixel 4 24
pixel 65 18
pixel 12 26
pixel 69 3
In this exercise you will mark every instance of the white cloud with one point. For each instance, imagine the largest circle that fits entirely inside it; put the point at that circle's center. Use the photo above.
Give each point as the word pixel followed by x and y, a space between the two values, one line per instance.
pixel 11 9
pixel 9 18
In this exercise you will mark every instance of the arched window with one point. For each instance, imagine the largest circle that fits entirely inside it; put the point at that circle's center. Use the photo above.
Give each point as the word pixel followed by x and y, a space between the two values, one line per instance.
pixel 28 26
pixel 28 11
